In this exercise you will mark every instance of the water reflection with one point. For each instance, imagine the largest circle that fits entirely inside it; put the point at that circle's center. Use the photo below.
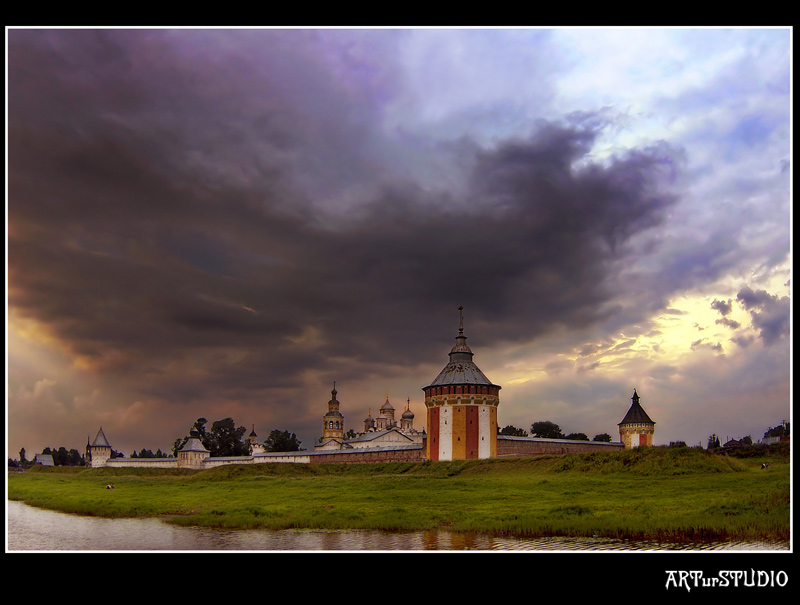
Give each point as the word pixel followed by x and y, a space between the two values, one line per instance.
pixel 40 530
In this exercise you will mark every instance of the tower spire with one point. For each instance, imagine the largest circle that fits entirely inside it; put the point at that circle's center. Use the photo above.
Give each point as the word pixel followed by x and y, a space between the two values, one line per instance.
pixel 461 319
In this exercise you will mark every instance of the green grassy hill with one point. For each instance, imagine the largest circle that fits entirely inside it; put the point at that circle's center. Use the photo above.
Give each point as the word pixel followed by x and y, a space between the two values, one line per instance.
pixel 660 493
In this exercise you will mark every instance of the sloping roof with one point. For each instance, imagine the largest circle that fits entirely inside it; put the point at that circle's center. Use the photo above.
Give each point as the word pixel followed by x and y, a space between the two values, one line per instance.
pixel 100 440
pixel 636 413
pixel 377 435
pixel 193 444
pixel 460 373
pixel 461 369
pixel 44 459
pixel 326 440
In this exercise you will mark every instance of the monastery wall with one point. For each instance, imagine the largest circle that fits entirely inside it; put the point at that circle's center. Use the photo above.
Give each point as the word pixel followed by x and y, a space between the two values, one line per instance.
pixel 409 453
pixel 523 447
pixel 507 447
pixel 141 463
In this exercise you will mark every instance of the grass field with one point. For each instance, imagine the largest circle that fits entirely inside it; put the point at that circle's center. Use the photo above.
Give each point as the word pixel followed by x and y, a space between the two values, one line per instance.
pixel 652 493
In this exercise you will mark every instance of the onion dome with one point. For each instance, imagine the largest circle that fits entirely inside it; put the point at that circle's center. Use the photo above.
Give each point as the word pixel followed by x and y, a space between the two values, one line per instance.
pixel 408 413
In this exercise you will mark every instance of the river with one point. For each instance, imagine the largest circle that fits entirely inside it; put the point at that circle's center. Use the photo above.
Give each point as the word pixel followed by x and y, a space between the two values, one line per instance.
pixel 32 529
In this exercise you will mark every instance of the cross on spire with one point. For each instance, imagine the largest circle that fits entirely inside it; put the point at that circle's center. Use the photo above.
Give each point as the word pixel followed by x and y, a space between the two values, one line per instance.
pixel 461 319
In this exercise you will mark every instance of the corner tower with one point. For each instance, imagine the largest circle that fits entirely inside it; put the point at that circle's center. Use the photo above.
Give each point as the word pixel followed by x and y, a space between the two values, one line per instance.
pixel 636 429
pixel 99 451
pixel 462 405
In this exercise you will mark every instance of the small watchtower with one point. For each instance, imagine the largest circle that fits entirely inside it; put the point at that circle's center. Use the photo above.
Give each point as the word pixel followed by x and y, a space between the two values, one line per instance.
pixel 193 452
pixel 636 429
pixel 98 452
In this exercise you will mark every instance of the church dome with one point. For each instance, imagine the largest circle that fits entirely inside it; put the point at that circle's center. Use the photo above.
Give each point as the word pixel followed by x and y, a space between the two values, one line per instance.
pixel 461 370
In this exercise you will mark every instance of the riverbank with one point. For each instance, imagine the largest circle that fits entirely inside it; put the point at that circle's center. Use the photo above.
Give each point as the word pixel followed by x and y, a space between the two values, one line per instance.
pixel 655 493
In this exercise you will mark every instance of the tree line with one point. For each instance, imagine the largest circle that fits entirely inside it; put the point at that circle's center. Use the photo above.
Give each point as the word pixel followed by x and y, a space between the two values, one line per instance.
pixel 223 438
pixel 61 457
pixel 545 429
pixel 781 430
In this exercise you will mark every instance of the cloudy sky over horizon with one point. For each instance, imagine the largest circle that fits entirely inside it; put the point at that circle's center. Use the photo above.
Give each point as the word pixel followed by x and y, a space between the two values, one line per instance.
pixel 220 223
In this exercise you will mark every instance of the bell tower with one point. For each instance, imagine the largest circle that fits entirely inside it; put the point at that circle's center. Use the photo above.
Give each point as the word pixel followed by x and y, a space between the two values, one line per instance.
pixel 333 421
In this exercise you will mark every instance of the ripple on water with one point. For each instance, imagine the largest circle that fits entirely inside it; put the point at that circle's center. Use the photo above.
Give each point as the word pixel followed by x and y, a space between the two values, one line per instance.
pixel 35 529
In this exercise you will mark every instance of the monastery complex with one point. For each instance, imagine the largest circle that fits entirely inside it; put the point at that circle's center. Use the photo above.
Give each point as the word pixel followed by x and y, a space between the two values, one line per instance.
pixel 461 423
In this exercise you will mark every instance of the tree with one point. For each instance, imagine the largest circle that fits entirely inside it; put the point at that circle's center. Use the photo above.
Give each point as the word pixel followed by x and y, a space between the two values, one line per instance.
pixel 76 458
pixel 577 436
pixel 226 439
pixel 713 442
pixel 512 431
pixel 145 453
pixel 546 430
pixel 22 459
pixel 604 437
pixel 177 445
pixel 782 430
pixel 282 441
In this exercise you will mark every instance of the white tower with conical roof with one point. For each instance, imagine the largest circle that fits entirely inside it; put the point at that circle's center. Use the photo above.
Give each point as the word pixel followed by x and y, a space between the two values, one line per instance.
pixel 98 451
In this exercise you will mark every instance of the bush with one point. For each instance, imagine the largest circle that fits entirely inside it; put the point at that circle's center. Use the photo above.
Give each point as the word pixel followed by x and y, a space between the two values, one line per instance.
pixel 757 450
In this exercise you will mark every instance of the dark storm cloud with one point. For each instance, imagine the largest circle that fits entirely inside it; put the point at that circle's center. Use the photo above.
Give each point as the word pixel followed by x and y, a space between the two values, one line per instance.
pixel 722 306
pixel 770 313
pixel 164 212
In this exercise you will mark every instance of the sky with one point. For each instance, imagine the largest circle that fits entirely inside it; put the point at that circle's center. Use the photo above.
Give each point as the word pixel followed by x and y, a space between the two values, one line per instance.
pixel 221 223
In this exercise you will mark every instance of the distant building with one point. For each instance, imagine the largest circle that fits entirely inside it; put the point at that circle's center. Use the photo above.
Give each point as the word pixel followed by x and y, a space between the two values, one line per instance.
pixel 98 452
pixel 193 452
pixel 333 421
pixel 636 429
pixel 383 431
pixel 255 446
pixel 385 419
pixel 44 459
